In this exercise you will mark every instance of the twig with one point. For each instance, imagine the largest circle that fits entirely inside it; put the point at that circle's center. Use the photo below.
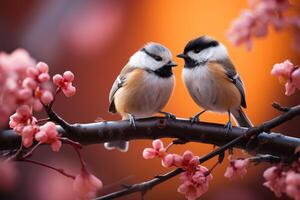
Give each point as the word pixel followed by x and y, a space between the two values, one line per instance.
pixel 280 108
pixel 57 119
pixel 264 158
pixel 61 171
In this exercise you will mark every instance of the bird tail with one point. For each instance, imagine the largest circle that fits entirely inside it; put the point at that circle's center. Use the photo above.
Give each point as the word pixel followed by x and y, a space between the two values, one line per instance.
pixel 241 118
pixel 120 145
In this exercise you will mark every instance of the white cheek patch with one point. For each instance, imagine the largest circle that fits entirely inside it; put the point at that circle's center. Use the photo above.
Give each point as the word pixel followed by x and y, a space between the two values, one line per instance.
pixel 142 60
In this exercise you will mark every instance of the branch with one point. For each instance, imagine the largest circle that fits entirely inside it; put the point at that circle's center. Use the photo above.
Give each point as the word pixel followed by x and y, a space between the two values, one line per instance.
pixel 157 127
pixel 255 131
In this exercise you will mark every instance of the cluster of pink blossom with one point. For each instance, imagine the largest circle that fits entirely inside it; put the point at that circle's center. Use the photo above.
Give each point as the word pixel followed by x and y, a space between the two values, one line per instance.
pixel 282 181
pixel 289 75
pixel 236 168
pixel 86 185
pixel 24 124
pixel 254 22
pixel 64 82
pixel 13 69
pixel 24 87
pixel 36 76
pixel 195 178
pixel 48 134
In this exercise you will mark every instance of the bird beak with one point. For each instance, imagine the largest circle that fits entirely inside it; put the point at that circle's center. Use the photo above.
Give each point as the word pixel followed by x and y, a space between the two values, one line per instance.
pixel 182 55
pixel 171 64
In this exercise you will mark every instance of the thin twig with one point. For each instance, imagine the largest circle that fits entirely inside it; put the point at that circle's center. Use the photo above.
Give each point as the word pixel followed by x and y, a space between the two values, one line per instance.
pixel 61 171
pixel 280 108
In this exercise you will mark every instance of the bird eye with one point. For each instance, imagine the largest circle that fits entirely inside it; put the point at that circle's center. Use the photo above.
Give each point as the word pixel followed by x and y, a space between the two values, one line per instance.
pixel 157 58
pixel 196 50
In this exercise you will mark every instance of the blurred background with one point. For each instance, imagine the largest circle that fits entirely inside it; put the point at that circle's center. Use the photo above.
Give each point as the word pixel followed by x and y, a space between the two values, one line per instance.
pixel 95 39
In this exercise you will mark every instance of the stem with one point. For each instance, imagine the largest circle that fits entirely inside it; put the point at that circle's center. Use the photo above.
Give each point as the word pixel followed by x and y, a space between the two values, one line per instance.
pixel 31 151
pixel 61 171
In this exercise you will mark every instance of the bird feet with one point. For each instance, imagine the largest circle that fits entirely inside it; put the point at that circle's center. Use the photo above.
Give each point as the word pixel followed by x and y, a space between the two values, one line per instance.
pixel 228 127
pixel 195 118
pixel 132 120
pixel 168 115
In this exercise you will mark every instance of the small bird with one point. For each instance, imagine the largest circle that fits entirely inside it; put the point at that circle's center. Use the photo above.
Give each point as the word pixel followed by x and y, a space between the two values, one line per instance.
pixel 212 80
pixel 143 87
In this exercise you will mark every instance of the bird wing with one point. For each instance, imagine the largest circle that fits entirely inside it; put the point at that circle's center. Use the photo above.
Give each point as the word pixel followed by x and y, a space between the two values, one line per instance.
pixel 235 79
pixel 118 83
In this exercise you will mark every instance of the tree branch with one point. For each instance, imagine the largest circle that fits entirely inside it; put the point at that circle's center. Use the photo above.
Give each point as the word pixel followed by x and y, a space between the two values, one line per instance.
pixel 256 140
pixel 157 127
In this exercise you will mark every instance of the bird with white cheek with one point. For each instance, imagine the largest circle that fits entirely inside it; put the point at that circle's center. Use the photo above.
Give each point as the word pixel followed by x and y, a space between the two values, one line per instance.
pixel 212 80
pixel 143 87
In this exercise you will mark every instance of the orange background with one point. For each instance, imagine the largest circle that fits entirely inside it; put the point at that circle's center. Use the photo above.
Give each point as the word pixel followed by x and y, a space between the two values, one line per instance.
pixel 58 33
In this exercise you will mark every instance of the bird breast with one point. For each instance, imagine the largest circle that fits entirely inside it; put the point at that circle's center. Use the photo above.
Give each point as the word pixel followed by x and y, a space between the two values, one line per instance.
pixel 210 88
pixel 143 94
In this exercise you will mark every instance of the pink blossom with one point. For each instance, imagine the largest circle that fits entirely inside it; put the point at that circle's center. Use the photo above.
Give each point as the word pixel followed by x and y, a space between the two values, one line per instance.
pixel 46 97
pixel 48 134
pixel 37 75
pixel 86 185
pixel 28 135
pixel 240 30
pixel 254 22
pixel 275 180
pixel 13 69
pixel 236 168
pixel 187 162
pixel 24 124
pixel 289 75
pixel 195 184
pixel 293 185
pixel 158 150
pixel 64 82
pixel 21 118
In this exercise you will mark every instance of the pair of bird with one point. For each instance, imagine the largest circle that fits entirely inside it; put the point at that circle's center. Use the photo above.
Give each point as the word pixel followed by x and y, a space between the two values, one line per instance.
pixel 145 84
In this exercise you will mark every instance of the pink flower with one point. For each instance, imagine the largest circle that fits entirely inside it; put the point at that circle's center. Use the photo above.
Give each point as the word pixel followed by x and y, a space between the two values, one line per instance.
pixel 293 185
pixel 22 118
pixel 12 72
pixel 64 82
pixel 168 160
pixel 254 22
pixel 240 30
pixel 37 75
pixel 236 168
pixel 48 134
pixel 289 75
pixel 86 185
pixel 158 150
pixel 24 124
pixel 187 162
pixel 275 180
pixel 195 184
pixel 28 135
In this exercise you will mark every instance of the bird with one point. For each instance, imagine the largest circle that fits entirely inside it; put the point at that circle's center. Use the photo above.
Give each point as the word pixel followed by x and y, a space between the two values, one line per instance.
pixel 143 87
pixel 212 80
